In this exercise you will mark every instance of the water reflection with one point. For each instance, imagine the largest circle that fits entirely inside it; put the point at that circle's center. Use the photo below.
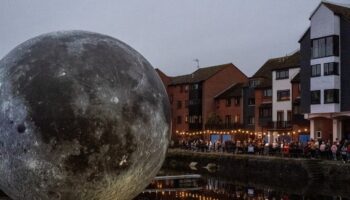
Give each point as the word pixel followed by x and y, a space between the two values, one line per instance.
pixel 214 188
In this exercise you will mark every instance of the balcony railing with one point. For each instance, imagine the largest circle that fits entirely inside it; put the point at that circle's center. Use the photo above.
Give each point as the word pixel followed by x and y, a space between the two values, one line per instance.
pixel 280 125
pixel 224 126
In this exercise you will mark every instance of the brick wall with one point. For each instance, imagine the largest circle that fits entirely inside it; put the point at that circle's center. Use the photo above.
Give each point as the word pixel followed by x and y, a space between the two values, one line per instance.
pixel 216 84
pixel 222 109
pixel 176 94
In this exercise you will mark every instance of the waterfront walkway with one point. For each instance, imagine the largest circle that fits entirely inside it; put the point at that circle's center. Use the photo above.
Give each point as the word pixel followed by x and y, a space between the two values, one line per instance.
pixel 274 155
pixel 257 165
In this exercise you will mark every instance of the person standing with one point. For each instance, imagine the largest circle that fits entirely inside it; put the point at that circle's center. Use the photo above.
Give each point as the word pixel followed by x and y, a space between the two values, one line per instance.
pixel 343 152
pixel 334 150
pixel 348 152
pixel 323 150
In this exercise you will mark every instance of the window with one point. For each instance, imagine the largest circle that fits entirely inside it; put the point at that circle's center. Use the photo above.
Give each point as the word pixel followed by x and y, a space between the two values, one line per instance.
pixel 195 86
pixel 327 46
pixel 254 83
pixel 194 102
pixel 318 134
pixel 179 105
pixel 331 69
pixel 265 112
pixel 331 96
pixel 315 48
pixel 186 119
pixel 186 88
pixel 289 115
pixel 237 101
pixel 237 119
pixel 283 95
pixel 282 74
pixel 251 120
pixel 179 120
pixel 316 70
pixel 228 102
pixel 228 119
pixel 194 119
pixel 268 93
pixel 316 97
pixel 251 101
pixel 280 116
pixel 296 109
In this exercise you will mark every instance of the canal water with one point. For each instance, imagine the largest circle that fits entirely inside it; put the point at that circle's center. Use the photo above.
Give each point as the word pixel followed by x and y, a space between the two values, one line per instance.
pixel 192 185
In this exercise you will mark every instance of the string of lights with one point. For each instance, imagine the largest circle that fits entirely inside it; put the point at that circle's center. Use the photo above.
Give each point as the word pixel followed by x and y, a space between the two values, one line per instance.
pixel 237 131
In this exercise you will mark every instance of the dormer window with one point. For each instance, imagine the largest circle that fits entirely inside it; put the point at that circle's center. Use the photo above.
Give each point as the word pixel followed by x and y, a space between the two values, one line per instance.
pixel 282 74
pixel 254 83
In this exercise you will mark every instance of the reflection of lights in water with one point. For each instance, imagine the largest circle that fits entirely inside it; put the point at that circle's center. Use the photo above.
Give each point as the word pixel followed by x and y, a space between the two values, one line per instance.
pixel 210 189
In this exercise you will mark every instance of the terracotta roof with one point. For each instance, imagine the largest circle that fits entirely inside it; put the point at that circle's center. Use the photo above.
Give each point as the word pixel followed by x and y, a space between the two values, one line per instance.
pixel 233 91
pixel 278 63
pixel 180 79
pixel 339 10
pixel 296 78
pixel 199 75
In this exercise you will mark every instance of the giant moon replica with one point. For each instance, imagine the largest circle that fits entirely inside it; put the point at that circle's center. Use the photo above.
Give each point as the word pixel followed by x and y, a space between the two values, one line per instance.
pixel 83 116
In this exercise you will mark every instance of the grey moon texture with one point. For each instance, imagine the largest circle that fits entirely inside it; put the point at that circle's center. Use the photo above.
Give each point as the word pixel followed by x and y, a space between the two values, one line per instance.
pixel 82 116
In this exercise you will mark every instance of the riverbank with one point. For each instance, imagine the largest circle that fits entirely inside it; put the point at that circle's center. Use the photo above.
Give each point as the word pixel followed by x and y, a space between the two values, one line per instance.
pixel 292 175
pixel 297 174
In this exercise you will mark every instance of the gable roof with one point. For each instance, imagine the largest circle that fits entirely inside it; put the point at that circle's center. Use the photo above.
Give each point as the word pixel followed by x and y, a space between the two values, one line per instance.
pixel 278 63
pixel 199 75
pixel 340 10
pixel 233 91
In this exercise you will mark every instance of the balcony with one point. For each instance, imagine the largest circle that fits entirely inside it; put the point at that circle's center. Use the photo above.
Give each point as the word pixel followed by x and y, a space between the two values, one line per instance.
pixel 224 126
pixel 280 125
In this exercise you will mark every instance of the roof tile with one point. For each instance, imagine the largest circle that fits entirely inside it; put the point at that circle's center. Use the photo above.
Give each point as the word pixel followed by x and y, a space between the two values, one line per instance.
pixel 199 75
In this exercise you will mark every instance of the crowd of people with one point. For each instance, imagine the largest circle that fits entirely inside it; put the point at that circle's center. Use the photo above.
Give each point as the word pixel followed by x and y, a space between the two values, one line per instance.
pixel 314 149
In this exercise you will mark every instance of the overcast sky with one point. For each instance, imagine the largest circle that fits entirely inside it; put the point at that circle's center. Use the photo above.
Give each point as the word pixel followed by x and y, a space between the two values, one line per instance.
pixel 171 33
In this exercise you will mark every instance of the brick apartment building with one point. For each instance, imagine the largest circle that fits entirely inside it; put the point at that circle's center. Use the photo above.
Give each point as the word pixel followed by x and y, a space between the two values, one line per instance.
pixel 228 109
pixel 298 96
pixel 272 99
pixel 192 96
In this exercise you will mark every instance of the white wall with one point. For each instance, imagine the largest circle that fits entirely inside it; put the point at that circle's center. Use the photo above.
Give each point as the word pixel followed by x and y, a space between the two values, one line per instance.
pixel 282 84
pixel 325 82
pixel 324 23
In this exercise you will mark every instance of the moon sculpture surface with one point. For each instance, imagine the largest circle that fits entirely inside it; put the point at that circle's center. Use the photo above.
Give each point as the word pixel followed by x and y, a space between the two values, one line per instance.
pixel 82 116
